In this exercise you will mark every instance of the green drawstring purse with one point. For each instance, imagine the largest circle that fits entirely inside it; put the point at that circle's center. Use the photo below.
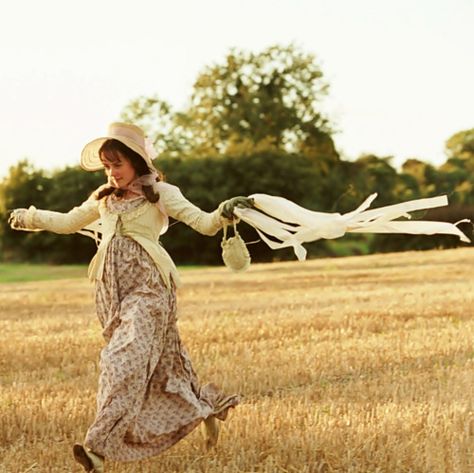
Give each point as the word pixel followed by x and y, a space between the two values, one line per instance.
pixel 234 251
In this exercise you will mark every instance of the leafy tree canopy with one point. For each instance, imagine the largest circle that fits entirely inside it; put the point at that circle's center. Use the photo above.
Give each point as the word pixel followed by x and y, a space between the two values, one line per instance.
pixel 267 101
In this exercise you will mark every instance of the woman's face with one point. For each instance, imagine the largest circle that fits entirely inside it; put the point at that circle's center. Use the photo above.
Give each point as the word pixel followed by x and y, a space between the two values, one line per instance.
pixel 120 170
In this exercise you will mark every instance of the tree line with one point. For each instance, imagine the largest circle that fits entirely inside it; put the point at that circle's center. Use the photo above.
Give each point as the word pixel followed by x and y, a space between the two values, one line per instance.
pixel 253 124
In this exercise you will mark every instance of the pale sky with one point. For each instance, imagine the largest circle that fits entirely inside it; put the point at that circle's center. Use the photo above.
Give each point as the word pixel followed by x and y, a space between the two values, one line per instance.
pixel 401 72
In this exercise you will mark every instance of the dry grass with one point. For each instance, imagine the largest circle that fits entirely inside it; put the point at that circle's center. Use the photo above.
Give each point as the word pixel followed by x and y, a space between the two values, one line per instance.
pixel 361 364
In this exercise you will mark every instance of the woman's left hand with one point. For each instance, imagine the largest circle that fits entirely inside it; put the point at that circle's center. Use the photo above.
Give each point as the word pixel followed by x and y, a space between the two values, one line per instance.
pixel 240 201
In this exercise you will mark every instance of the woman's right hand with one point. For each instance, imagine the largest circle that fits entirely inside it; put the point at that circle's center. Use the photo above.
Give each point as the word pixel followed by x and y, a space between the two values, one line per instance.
pixel 240 201
pixel 17 219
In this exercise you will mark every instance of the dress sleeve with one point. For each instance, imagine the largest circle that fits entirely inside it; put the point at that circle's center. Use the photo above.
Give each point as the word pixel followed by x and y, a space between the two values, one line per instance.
pixel 59 222
pixel 178 207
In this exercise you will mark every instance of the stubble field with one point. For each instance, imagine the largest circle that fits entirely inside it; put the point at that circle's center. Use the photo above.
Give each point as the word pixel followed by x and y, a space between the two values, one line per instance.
pixel 361 364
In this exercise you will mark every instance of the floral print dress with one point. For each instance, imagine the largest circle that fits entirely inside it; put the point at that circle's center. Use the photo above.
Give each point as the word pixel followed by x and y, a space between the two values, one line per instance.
pixel 149 396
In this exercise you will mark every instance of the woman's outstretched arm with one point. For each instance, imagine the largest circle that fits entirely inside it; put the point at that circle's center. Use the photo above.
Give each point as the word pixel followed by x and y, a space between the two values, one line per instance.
pixel 32 219
pixel 178 207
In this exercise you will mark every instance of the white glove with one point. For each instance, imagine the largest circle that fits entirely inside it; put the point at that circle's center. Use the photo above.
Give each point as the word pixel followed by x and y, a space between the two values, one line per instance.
pixel 229 205
pixel 18 219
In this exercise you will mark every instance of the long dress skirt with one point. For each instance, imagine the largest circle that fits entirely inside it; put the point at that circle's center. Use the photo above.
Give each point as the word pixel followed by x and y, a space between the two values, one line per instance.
pixel 148 396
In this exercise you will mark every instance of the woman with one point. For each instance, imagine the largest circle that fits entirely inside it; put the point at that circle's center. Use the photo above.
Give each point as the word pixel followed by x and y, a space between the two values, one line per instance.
pixel 148 395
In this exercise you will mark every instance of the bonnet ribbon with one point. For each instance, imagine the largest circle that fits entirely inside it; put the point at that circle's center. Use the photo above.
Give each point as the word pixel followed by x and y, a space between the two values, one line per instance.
pixel 136 186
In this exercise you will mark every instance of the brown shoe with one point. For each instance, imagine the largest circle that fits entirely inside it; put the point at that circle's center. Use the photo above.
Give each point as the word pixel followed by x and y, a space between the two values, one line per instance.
pixel 211 432
pixel 91 462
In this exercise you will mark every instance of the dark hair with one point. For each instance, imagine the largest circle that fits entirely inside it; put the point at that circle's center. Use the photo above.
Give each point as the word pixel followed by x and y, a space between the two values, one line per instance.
pixel 112 149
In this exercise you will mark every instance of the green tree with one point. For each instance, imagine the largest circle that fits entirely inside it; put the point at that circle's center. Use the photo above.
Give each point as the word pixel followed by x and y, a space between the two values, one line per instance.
pixel 23 186
pixel 458 170
pixel 461 145
pixel 272 95
pixel 452 179
pixel 251 102
pixel 376 174
pixel 425 175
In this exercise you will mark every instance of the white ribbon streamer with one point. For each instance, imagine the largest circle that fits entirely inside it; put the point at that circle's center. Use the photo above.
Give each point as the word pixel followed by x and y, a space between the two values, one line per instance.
pixel 293 225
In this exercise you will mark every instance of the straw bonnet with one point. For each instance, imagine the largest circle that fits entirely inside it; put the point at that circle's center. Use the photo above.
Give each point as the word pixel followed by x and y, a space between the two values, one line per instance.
pixel 130 135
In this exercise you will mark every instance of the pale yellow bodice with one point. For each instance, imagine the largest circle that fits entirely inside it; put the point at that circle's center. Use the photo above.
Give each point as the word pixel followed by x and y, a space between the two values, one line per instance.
pixel 143 224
